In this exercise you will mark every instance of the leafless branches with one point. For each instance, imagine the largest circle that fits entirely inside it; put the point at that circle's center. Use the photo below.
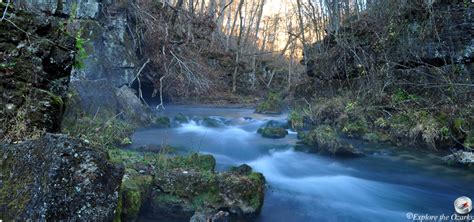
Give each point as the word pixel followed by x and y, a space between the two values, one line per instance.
pixel 5 11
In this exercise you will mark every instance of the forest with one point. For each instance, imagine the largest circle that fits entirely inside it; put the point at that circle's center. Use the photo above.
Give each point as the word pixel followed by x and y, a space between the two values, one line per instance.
pixel 236 110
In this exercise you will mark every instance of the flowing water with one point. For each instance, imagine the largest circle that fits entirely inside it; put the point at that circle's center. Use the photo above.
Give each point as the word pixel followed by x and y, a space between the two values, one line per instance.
pixel 384 185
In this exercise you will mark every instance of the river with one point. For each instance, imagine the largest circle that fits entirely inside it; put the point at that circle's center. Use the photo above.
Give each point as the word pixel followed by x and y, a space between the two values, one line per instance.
pixel 384 185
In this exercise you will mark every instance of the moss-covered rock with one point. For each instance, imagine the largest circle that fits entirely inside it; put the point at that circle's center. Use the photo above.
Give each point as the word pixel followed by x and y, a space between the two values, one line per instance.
pixel 193 181
pixel 57 178
pixel 243 169
pixel 134 192
pixel 273 132
pixel 162 122
pixel 177 187
pixel 211 122
pixel 271 105
pixel 181 118
pixel 324 139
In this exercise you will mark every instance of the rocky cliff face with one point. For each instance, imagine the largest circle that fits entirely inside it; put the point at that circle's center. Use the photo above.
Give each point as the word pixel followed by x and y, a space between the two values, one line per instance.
pixel 36 60
pixel 48 176
pixel 110 57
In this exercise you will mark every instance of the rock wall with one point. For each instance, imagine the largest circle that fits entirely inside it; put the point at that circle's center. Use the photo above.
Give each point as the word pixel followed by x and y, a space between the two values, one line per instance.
pixel 47 176
pixel 36 59
pixel 84 8
pixel 111 58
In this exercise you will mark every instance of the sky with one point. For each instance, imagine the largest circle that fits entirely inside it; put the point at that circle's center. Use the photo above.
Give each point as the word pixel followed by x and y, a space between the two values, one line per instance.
pixel 274 6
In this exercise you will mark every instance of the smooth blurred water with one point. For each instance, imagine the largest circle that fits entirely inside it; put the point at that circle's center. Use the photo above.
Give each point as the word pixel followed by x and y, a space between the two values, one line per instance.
pixel 383 186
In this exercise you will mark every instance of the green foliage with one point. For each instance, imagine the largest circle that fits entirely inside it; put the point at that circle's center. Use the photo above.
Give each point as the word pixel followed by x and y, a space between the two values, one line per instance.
pixel 350 106
pixel 401 95
pixel 356 128
pixel 162 122
pixel 271 105
pixel 194 161
pixel 296 120
pixel 103 133
pixel 205 199
pixel 256 200
pixel 81 54
pixel 7 65
pixel 181 118
pixel 469 141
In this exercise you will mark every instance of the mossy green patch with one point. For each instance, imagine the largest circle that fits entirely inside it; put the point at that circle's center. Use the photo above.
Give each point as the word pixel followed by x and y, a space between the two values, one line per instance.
pixel 104 133
pixel 162 122
pixel 206 199
pixel 211 122
pixel 296 120
pixel 271 105
pixel 193 161
pixel 165 199
pixel 469 141
pixel 273 132
pixel 181 118
pixel 356 128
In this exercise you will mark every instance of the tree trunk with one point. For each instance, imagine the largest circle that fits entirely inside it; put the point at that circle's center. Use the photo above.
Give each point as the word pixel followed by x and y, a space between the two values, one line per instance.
pixel 237 56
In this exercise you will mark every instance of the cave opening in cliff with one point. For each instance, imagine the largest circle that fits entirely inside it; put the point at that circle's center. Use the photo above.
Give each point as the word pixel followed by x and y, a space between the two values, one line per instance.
pixel 148 93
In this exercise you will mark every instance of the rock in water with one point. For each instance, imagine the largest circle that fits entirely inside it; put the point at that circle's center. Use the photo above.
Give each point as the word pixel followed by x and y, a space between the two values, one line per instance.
pixel 272 132
pixel 324 140
pixel 57 178
pixel 190 185
pixel 460 157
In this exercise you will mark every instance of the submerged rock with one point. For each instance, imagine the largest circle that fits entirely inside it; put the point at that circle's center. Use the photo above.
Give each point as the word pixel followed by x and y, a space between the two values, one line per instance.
pixel 212 122
pixel 161 122
pixel 57 178
pixel 273 132
pixel 324 139
pixel 181 118
pixel 460 157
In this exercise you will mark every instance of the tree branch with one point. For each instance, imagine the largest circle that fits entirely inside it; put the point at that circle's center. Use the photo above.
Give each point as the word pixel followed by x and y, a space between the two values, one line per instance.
pixel 5 11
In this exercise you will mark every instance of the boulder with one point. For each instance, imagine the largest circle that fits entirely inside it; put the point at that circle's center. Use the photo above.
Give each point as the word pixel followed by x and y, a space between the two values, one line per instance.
pixel 99 99
pixel 161 122
pixel 176 188
pixel 273 132
pixel 57 178
pixel 243 169
pixel 212 122
pixel 324 140
pixel 181 118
